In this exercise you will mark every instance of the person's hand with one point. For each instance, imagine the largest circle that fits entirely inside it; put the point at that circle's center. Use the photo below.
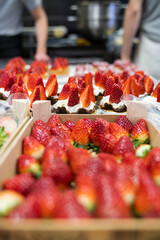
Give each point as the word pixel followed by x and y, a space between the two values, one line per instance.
pixel 42 57
pixel 125 58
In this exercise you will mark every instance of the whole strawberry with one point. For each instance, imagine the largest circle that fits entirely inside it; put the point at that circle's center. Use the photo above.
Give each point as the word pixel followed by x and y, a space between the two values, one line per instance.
pixel 59 132
pixel 28 209
pixel 40 134
pixel 117 131
pixel 69 124
pixel 80 133
pixel 54 121
pixel 21 183
pixel 153 162
pixel 147 203
pixel 109 163
pixel 107 143
pixel 110 203
pixel 47 196
pixel 59 142
pixel 124 122
pixel 32 147
pixel 69 207
pixel 99 128
pixel 135 166
pixel 53 166
pixel 28 164
pixel 78 157
pixel 88 123
pixel 9 199
pixel 86 192
pixel 124 145
pixel 42 124
pixel 140 133
pixel 124 184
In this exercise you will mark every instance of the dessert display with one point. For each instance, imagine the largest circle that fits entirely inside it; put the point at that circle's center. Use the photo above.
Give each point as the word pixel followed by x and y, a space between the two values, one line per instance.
pixel 108 82
pixel 137 85
pixel 60 66
pixel 88 169
pixel 75 99
pixel 82 69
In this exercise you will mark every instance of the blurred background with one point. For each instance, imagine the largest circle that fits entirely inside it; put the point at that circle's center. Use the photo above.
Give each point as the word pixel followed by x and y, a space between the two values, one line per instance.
pixel 79 30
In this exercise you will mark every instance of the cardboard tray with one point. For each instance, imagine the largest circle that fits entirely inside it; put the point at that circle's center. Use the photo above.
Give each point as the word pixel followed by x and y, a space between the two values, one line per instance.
pixel 100 229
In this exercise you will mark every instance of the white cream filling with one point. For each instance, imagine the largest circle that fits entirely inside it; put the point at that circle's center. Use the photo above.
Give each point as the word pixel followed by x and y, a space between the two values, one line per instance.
pixel 117 105
pixel 106 100
pixel 6 93
pixel 60 103
pixel 97 90
pixel 73 109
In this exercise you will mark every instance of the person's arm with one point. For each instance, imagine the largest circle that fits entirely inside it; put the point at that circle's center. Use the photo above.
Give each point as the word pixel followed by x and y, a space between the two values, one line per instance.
pixel 131 23
pixel 41 25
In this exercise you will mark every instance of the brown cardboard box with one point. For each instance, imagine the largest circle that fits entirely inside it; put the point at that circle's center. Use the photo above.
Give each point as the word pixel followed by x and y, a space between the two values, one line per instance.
pixel 100 229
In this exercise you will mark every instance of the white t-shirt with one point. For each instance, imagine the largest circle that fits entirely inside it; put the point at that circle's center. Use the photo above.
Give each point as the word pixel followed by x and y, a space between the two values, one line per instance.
pixel 11 15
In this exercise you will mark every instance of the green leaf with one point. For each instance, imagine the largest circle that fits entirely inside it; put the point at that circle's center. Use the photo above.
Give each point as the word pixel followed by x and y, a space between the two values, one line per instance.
pixel 3 136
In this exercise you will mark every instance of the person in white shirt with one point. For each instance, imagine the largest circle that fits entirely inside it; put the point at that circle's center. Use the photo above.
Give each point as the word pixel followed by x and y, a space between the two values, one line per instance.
pixel 143 15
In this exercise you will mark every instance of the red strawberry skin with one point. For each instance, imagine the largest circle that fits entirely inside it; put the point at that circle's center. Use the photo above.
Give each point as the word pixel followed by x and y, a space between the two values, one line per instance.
pixel 57 131
pixel 124 122
pixel 110 203
pixel 108 86
pixel 140 132
pixel 147 202
pixel 124 145
pixel 40 134
pixel 78 157
pixel 42 124
pixel 21 183
pixel 115 94
pixel 54 121
pixel 99 127
pixel 53 166
pixel 149 85
pixel 47 196
pixel 158 94
pixel 68 207
pixel 65 92
pixel 28 209
pixel 109 163
pixel 80 133
pixel 32 147
pixel 30 164
pixel 135 166
pixel 153 162
pixel 73 97
pixel 69 124
pixel 86 192
pixel 117 131
pixel 107 143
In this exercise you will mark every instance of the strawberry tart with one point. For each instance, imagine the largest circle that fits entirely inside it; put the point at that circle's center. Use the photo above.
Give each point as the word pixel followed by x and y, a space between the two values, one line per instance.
pixel 112 98
pixel 60 66
pixel 70 101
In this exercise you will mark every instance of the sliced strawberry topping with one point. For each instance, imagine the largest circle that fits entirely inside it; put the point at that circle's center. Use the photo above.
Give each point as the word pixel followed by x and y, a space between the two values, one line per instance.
pixel 115 94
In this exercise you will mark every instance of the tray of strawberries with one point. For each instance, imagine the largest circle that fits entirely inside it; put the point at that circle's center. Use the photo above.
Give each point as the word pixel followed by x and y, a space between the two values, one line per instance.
pixel 95 88
pixel 82 167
